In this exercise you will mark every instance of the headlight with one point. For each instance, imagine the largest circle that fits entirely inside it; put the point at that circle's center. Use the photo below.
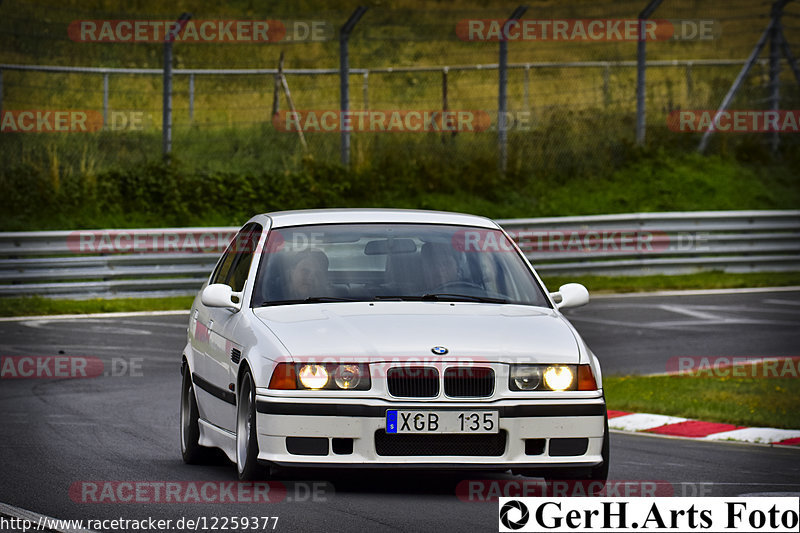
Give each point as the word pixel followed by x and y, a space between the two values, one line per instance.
pixel 313 376
pixel 558 378
pixel 551 378
pixel 526 377
pixel 320 376
pixel 347 376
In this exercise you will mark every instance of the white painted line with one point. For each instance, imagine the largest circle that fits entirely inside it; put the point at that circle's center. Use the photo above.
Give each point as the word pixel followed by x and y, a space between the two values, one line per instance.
pixel 759 435
pixel 38 521
pixel 689 311
pixel 781 302
pixel 93 315
pixel 696 292
pixel 642 421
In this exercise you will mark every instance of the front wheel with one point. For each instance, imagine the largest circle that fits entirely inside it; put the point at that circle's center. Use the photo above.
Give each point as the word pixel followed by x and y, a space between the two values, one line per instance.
pixel 246 435
pixel 191 450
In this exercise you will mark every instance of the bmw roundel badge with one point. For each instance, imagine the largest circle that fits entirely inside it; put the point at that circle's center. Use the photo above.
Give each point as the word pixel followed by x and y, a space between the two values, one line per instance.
pixel 439 350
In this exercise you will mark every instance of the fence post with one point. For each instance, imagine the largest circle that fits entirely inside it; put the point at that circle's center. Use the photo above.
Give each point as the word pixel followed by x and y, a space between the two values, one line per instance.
pixel 1 93
pixel 606 79
pixel 736 84
pixel 689 82
pixel 191 97
pixel 774 86
pixel 365 90
pixel 344 81
pixel 502 87
pixel 787 52
pixel 166 123
pixel 526 87
pixel 445 103
pixel 105 100
pixel 641 67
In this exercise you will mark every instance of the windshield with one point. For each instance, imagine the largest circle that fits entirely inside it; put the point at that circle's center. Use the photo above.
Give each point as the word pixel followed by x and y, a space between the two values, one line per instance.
pixel 368 262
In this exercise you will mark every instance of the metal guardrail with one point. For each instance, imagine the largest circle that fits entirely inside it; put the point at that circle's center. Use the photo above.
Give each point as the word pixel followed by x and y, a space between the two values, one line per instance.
pixel 176 261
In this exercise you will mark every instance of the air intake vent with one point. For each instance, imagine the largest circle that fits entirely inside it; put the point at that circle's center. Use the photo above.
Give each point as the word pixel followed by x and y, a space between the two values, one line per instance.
pixel 413 382
pixel 235 355
pixel 490 444
pixel 468 382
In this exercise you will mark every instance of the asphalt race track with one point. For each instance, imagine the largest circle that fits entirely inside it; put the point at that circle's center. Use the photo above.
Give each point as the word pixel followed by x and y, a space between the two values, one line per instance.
pixel 57 433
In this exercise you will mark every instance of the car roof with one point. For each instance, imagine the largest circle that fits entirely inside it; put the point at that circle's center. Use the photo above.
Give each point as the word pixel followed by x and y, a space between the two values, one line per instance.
pixel 282 219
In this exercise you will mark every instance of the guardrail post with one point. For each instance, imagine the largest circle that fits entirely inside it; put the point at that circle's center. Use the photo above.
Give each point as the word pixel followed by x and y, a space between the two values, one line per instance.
pixel 166 123
pixel 344 81
pixel 641 68
pixel 502 88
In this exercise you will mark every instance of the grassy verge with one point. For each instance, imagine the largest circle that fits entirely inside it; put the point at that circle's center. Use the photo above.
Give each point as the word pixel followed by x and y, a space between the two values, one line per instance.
pixel 716 396
pixel 45 306
pixel 702 280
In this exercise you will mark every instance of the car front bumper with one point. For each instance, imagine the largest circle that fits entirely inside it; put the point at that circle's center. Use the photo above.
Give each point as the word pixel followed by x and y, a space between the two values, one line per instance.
pixel 534 434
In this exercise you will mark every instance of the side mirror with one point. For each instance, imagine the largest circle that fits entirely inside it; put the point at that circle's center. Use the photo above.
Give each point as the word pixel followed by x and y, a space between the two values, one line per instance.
pixel 570 295
pixel 221 295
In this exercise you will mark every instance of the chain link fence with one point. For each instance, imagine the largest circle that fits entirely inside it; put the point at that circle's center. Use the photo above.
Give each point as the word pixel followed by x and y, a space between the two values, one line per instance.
pixel 568 100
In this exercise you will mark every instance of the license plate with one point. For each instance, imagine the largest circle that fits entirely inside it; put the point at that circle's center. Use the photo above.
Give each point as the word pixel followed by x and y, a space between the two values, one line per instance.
pixel 442 421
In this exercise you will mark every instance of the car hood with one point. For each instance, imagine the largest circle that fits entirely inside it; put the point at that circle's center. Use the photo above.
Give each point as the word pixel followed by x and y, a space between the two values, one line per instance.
pixel 390 331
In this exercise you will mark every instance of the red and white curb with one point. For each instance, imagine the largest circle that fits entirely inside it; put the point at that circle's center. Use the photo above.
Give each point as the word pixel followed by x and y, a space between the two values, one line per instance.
pixel 697 429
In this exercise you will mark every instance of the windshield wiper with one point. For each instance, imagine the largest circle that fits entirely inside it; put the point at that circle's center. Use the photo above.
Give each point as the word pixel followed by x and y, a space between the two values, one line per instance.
pixel 403 298
pixel 445 296
pixel 309 300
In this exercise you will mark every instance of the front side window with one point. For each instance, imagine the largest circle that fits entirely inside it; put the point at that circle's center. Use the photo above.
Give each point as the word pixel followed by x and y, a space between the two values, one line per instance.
pixel 366 262
pixel 234 266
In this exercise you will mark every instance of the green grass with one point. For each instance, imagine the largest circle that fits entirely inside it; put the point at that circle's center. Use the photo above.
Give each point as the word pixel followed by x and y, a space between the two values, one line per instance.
pixel 767 402
pixel 702 280
pixel 50 191
pixel 32 306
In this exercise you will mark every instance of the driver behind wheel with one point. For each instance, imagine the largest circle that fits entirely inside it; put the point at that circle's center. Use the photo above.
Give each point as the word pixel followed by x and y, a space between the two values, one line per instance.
pixel 439 265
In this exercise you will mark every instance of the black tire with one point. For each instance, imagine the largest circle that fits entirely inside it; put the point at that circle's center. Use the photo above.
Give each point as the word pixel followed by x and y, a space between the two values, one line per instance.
pixel 191 450
pixel 247 465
